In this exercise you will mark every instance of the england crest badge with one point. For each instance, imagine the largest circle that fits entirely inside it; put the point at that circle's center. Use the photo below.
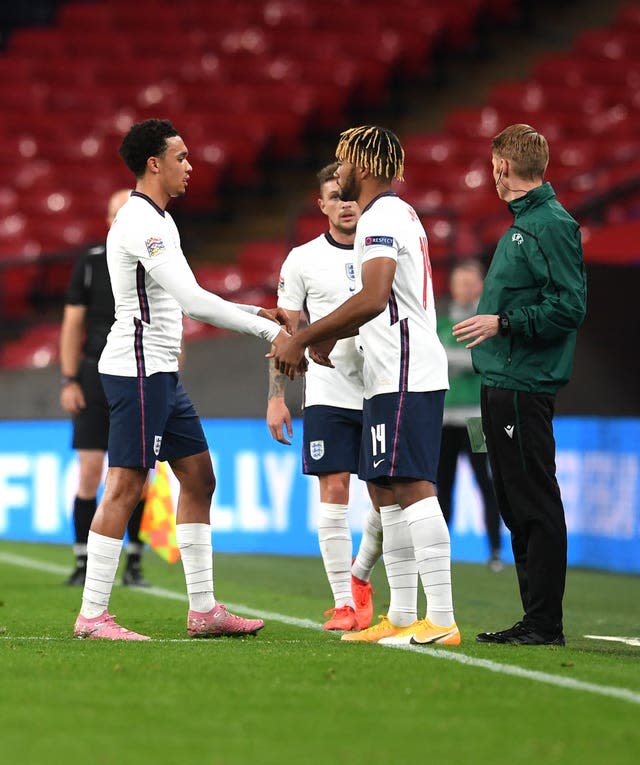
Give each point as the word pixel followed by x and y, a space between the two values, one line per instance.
pixel 351 276
pixel 316 449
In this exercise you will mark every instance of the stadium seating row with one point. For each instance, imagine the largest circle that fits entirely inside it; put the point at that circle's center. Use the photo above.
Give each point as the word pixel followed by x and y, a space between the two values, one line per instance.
pixel 248 88
pixel 585 101
pixel 241 71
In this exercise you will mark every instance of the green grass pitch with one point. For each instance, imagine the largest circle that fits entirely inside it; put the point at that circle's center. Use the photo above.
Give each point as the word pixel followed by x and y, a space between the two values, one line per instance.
pixel 296 694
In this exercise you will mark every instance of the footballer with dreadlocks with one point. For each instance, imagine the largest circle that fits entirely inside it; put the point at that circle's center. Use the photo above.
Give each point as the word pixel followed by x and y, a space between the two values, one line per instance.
pixel 405 378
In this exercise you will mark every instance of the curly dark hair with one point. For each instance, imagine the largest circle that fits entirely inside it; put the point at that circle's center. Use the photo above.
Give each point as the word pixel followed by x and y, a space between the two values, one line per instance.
pixel 145 139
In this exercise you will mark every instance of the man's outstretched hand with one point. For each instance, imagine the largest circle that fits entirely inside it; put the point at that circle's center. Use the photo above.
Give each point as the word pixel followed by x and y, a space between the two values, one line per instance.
pixel 319 352
pixel 279 315
pixel 288 356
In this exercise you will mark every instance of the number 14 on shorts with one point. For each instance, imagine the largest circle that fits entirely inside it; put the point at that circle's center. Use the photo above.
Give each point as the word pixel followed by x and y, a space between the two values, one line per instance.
pixel 378 442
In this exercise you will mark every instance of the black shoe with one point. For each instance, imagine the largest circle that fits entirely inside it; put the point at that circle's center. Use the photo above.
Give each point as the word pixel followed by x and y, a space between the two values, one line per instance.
pixel 132 576
pixel 520 634
pixel 531 637
pixel 78 574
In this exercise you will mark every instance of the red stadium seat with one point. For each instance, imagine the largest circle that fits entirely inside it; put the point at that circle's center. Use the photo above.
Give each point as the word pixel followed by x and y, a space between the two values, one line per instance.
pixel 308 226
pixel 262 261
pixel 226 139
pixel 535 98
pixel 61 233
pixel 17 69
pixel 8 203
pixel 19 272
pixel 628 17
pixel 37 347
pixel 36 43
pixel 224 280
pixel 81 17
pixel 440 234
pixel 25 97
pixel 614 244
pixel 431 148
pixel 424 199
pixel 613 44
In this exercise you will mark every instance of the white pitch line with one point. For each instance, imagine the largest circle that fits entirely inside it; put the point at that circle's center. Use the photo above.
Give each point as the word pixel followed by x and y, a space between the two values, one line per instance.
pixel 615 639
pixel 36 565
pixel 187 641
pixel 51 639
pixel 623 694
pixel 612 691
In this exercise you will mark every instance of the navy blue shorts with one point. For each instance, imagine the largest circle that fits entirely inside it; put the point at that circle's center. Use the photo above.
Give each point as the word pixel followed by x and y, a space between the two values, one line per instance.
pixel 150 418
pixel 331 439
pixel 401 437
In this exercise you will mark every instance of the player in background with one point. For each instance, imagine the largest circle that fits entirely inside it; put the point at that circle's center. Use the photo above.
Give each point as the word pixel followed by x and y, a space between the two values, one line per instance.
pixel 462 402
pixel 150 414
pixel 88 316
pixel 317 277
pixel 405 378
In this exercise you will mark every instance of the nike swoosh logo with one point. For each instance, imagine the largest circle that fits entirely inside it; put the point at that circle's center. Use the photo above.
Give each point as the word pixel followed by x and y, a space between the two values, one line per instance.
pixel 432 639
pixel 377 462
pixel 508 429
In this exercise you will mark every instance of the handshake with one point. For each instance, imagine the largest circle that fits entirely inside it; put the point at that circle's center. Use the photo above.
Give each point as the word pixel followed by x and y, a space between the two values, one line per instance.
pixel 287 350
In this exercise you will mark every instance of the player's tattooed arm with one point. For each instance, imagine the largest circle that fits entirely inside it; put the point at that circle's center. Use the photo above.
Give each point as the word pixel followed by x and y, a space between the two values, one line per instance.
pixel 277 382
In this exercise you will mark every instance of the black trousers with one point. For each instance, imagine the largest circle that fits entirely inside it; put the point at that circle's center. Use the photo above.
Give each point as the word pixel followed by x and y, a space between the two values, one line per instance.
pixel 455 441
pixel 519 432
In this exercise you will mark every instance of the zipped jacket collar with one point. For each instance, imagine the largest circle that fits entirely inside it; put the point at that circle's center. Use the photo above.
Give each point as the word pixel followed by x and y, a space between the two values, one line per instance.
pixel 533 198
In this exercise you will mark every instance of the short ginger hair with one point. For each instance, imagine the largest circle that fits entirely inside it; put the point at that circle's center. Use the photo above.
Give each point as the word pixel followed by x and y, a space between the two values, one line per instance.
pixel 525 148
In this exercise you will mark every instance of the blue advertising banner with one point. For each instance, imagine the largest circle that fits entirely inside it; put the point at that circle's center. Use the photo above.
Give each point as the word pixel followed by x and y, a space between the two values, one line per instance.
pixel 264 504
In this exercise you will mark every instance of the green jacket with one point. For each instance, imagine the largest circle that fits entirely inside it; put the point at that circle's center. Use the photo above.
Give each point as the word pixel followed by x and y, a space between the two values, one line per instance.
pixel 537 278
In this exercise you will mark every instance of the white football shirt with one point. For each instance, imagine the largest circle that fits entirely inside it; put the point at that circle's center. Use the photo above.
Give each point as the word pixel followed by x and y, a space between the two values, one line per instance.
pixel 402 351
pixel 152 285
pixel 318 277
pixel 145 337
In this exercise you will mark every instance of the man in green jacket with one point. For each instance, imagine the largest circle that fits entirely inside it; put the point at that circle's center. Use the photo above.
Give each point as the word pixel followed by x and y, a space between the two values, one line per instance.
pixel 523 339
pixel 461 402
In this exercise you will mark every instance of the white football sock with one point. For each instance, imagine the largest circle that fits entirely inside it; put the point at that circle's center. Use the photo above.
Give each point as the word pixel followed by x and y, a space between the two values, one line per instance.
pixel 400 565
pixel 334 537
pixel 194 542
pixel 103 554
pixel 370 546
pixel 432 548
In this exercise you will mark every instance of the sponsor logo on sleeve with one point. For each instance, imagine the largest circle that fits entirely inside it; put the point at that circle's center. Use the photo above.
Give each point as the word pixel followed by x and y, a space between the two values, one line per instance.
pixel 281 284
pixel 378 241
pixel 517 238
pixel 154 245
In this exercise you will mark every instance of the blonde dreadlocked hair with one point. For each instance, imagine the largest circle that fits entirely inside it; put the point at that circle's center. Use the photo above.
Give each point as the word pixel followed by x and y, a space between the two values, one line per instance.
pixel 375 148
